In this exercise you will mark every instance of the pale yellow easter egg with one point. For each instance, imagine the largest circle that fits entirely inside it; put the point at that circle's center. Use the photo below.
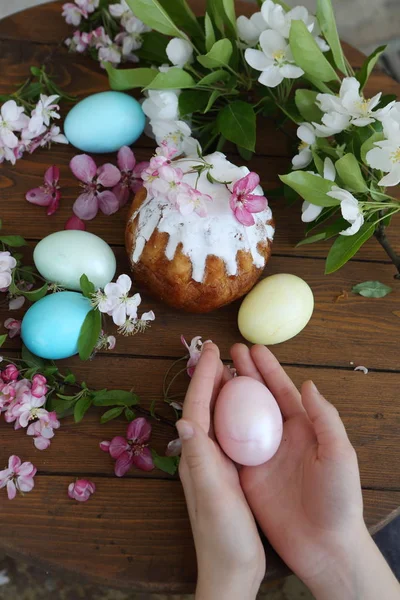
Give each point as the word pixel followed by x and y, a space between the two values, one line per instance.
pixel 276 309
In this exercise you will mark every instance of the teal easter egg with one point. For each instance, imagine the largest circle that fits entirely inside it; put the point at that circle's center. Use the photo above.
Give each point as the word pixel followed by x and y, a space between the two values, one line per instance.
pixel 104 122
pixel 64 256
pixel 50 328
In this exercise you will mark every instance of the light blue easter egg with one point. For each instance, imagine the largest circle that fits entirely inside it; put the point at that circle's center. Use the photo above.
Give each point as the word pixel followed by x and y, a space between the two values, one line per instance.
pixel 64 256
pixel 104 122
pixel 50 328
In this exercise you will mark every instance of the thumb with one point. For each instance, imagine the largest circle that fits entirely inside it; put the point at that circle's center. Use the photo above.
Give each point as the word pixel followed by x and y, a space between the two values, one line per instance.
pixel 198 455
pixel 328 426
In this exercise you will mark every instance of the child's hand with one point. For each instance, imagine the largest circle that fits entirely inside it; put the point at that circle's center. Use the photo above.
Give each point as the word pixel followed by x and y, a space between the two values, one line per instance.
pixel 230 556
pixel 307 498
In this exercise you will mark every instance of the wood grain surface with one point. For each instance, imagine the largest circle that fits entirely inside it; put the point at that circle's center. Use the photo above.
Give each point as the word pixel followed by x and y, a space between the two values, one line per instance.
pixel 134 532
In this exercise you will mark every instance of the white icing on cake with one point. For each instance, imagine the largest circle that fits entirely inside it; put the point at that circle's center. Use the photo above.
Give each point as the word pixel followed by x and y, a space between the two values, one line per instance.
pixel 219 233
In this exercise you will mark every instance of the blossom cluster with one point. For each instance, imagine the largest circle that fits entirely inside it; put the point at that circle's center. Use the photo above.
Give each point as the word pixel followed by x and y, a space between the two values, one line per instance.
pixel 116 302
pixel 114 41
pixel 21 132
pixel 22 402
pixel 269 29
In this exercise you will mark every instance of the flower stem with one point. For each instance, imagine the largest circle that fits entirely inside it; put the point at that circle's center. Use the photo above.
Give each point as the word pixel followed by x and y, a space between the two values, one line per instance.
pixel 380 234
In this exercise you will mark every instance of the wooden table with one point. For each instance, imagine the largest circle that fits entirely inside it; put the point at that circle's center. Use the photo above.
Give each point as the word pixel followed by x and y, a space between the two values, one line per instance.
pixel 134 532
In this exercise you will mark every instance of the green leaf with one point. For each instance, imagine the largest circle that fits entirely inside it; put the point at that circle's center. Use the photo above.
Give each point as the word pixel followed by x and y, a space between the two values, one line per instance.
pixel 111 414
pixel 319 163
pixel 87 286
pixel 31 359
pixel 35 295
pixel 213 98
pixel 349 172
pixel 115 398
pixel 312 188
pixel 81 408
pixel 210 33
pixel 222 13
pixel 214 77
pixel 126 79
pixel 327 23
pixel 346 246
pixel 50 371
pixel 153 14
pixel 237 123
pixel 218 56
pixel 384 101
pixel 191 101
pixel 369 64
pixel 372 289
pixel 2 339
pixel 129 414
pixel 305 102
pixel 307 54
pixel 62 407
pixel 70 379
pixel 229 8
pixel 182 15
pixel 14 241
pixel 173 79
pixel 318 237
pixel 153 48
pixel 370 144
pixel 36 72
pixel 89 334
pixel 168 464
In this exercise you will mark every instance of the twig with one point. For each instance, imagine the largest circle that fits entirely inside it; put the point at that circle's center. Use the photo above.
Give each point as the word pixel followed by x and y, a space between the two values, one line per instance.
pixel 380 234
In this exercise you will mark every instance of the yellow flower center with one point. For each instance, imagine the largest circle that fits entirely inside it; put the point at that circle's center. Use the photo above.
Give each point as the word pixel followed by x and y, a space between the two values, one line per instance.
pixel 303 146
pixel 279 55
pixel 396 156
pixel 363 106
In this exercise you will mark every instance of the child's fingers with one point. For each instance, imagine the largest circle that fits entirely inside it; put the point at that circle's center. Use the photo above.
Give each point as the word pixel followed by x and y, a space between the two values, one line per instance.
pixel 196 406
pixel 328 426
pixel 244 363
pixel 198 457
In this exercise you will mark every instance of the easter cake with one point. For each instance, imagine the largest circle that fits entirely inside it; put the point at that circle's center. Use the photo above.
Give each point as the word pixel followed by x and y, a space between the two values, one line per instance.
pixel 199 232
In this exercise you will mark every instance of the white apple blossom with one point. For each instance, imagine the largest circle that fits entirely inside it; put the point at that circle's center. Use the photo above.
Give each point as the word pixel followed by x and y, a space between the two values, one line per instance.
pixel 177 134
pixel 118 304
pixel 88 5
pixel 73 14
pixel 306 133
pixel 161 104
pixel 134 325
pixel 350 209
pixel 43 112
pixel 386 154
pixel 179 52
pixel 12 118
pixel 311 211
pixel 281 21
pixel 274 60
pixel 349 108
pixel 250 29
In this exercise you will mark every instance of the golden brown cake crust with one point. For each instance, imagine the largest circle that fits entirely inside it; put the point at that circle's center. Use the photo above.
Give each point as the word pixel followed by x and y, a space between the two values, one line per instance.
pixel 172 281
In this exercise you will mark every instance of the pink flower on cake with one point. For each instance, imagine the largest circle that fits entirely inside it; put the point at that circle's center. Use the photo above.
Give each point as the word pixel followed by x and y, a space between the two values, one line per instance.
pixel 13 326
pixel 73 14
pixel 195 348
pixel 75 222
pixel 152 172
pixel 87 205
pixel 131 175
pixel 168 183
pixel 189 200
pixel 43 430
pixel 17 477
pixel 243 202
pixel 81 490
pixel 48 194
pixel 134 449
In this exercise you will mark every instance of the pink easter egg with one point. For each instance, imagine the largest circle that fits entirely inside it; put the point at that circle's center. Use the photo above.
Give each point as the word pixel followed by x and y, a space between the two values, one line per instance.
pixel 247 421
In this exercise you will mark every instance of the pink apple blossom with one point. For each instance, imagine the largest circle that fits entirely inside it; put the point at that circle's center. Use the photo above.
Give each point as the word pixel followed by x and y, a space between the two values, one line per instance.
pixel 88 6
pixel 75 222
pixel 189 200
pixel 195 348
pixel 73 14
pixel 13 326
pixel 48 194
pixel 168 183
pixel 43 430
pixel 105 446
pixel 39 386
pixel 79 42
pixel 87 204
pixel 81 490
pixel 134 449
pixel 243 203
pixel 17 477
pixel 10 373
pixel 7 395
pixel 167 149
pixel 131 180
pixel 29 409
